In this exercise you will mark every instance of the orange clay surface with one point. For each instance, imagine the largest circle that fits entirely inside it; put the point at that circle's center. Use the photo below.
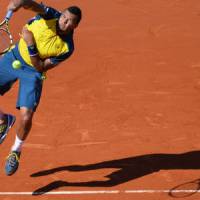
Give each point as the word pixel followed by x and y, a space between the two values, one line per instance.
pixel 122 113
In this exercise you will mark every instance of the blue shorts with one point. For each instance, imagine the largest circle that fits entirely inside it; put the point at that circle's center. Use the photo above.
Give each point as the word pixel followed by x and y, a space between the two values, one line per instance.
pixel 30 80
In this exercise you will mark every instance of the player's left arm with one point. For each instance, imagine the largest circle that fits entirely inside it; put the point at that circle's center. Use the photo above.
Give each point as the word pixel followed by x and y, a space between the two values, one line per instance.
pixel 42 65
pixel 48 63
pixel 33 53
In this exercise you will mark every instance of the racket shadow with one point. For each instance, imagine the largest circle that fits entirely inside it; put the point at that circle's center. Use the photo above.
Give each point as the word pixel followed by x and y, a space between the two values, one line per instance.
pixel 186 189
pixel 127 169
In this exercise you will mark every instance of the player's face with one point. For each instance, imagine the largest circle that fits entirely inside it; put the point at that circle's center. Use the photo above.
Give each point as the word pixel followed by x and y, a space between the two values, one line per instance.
pixel 67 22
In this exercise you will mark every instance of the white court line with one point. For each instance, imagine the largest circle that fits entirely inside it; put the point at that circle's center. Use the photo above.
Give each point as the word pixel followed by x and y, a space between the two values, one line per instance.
pixel 100 192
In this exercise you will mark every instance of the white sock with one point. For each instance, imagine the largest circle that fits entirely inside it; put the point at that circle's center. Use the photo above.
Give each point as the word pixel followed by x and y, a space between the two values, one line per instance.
pixel 17 145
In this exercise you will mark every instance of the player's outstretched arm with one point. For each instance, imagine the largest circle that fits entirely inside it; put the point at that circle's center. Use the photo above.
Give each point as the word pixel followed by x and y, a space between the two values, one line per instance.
pixel 27 4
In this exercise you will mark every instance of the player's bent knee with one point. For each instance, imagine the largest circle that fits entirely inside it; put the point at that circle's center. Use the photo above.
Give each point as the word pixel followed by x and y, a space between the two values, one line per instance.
pixel 26 114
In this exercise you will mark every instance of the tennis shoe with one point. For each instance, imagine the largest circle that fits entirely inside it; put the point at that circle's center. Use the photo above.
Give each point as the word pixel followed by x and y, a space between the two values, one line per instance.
pixel 12 163
pixel 5 127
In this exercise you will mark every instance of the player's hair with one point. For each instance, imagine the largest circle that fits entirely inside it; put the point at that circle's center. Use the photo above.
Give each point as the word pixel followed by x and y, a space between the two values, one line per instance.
pixel 76 11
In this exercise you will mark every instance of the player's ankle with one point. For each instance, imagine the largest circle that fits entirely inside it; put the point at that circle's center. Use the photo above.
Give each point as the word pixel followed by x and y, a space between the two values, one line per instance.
pixel 17 145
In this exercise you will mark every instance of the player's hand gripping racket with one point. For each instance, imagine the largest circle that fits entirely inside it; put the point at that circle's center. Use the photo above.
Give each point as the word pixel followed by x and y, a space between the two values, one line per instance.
pixel 6 39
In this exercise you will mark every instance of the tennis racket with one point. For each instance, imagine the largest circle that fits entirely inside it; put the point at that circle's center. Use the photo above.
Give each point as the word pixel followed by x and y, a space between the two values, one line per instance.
pixel 6 39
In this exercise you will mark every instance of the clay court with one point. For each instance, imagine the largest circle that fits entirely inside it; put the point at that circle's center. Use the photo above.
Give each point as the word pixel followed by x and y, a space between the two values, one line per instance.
pixel 120 118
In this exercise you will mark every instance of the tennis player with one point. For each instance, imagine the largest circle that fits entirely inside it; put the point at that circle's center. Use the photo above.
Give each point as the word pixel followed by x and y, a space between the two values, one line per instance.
pixel 46 41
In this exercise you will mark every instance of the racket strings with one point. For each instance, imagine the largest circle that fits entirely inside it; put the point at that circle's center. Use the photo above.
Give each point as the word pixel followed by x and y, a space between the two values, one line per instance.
pixel 5 40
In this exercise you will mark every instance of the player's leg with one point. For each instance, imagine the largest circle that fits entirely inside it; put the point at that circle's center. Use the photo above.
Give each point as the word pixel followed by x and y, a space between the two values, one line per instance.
pixel 7 78
pixel 23 128
pixel 6 122
pixel 30 88
pixel 24 122
pixel 3 121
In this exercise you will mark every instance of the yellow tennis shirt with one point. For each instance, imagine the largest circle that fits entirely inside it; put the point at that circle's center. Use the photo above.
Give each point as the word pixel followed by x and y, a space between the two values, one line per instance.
pixel 48 42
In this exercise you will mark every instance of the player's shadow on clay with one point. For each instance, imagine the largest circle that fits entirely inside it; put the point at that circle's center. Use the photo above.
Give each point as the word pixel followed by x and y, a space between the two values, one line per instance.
pixel 127 169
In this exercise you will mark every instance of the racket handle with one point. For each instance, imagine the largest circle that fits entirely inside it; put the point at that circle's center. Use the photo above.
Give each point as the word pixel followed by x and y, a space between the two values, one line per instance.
pixel 9 14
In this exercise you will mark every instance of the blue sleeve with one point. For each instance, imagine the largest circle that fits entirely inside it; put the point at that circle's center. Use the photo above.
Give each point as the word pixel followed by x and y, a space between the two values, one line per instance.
pixel 50 13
